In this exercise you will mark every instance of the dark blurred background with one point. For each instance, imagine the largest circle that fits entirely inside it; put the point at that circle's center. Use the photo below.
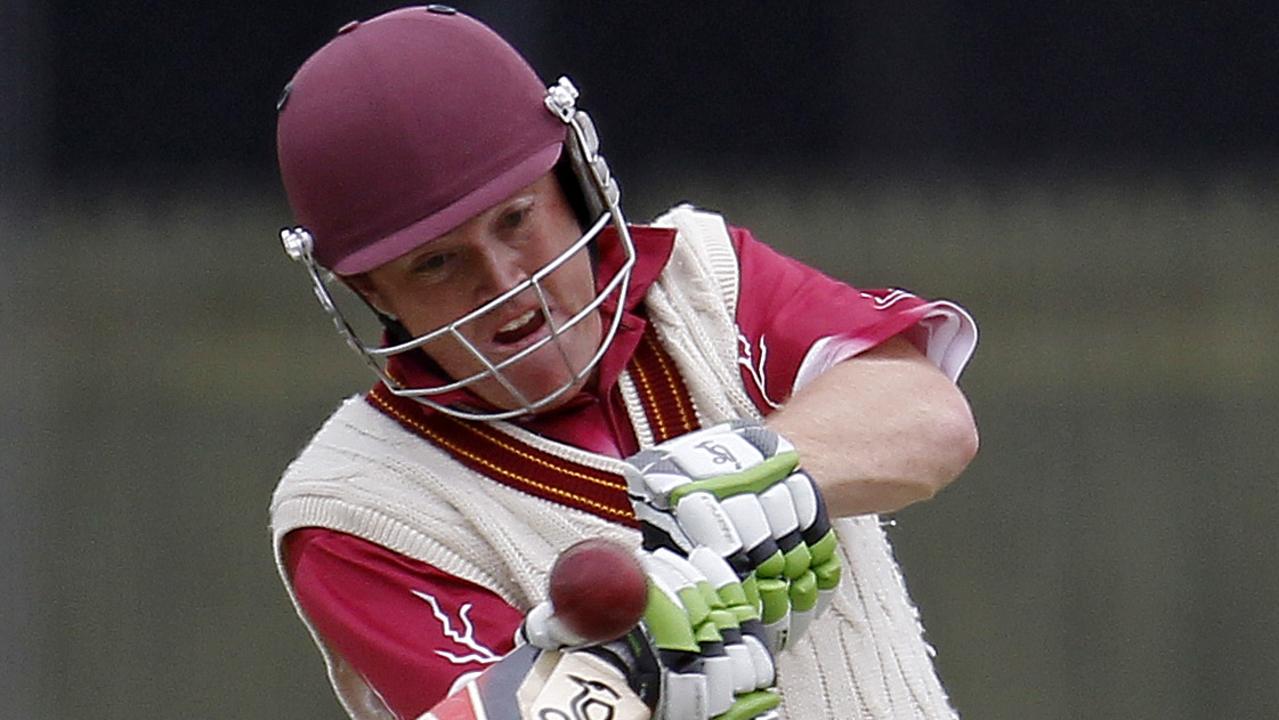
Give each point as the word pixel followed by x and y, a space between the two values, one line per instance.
pixel 1095 181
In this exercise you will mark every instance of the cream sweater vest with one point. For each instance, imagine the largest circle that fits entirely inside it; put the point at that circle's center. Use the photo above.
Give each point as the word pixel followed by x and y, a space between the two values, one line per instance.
pixel 365 475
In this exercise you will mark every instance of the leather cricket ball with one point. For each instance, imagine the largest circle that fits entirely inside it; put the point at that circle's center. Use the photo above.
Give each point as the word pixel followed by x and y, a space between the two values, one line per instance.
pixel 598 589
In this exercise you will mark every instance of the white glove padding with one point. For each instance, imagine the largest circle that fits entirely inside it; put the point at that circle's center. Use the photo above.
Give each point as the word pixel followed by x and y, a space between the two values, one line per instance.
pixel 733 664
pixel 737 490
pixel 689 659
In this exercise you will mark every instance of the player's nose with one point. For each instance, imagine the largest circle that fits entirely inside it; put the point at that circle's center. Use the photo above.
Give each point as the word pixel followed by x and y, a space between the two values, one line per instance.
pixel 500 268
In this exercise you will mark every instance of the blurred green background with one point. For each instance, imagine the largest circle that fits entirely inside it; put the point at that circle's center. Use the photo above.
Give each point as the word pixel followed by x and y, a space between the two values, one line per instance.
pixel 1111 552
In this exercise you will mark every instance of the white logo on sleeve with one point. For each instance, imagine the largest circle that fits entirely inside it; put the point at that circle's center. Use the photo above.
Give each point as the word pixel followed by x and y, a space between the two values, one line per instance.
pixel 883 302
pixel 745 358
pixel 464 639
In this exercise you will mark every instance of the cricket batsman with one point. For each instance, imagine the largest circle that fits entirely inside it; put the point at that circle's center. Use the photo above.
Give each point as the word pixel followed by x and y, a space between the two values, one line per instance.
pixel 548 373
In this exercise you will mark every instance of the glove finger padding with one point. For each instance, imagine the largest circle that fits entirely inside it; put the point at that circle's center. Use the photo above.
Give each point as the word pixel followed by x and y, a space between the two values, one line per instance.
pixel 542 629
pixel 688 659
pixel 737 490
pixel 753 662
pixel 697 654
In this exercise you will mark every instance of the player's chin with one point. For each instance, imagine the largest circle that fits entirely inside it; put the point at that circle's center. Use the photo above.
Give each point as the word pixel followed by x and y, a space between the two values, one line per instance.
pixel 546 373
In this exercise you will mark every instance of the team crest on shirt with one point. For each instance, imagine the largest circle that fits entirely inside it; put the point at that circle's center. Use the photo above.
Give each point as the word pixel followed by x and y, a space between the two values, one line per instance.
pixel 746 357
pixel 469 649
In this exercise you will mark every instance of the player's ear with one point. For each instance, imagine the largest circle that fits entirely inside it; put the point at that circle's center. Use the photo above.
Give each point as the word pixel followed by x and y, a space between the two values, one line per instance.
pixel 364 286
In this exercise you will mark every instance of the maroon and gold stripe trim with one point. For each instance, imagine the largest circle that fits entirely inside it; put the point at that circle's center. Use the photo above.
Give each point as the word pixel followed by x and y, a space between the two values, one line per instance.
pixel 517 464
pixel 662 392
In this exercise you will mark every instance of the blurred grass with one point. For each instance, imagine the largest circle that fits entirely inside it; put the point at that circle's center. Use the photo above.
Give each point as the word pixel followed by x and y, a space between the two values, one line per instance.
pixel 1109 554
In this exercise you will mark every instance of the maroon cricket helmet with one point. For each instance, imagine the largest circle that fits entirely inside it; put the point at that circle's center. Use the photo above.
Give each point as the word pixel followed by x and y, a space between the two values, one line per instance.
pixel 405 126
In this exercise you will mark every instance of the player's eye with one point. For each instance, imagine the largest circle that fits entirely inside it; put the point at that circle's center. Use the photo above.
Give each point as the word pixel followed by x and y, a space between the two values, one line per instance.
pixel 515 216
pixel 433 265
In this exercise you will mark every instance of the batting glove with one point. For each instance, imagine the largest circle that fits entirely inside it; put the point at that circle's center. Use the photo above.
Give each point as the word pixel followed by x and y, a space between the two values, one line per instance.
pixel 736 489
pixel 690 658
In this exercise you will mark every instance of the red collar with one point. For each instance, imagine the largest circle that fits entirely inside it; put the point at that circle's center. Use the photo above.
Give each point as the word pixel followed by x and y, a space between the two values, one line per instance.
pixel 653 246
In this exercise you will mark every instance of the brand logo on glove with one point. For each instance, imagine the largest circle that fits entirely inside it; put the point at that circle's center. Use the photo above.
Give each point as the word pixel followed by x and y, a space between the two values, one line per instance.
pixel 721 454
pixel 595 701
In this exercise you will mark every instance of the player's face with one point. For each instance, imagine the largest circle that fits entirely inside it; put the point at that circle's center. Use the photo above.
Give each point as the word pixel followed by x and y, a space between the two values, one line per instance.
pixel 444 279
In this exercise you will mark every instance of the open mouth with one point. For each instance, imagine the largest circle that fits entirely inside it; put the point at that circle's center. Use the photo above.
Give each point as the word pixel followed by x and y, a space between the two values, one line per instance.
pixel 520 328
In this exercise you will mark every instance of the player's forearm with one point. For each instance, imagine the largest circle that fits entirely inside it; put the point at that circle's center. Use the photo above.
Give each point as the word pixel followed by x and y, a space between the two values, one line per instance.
pixel 880 431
